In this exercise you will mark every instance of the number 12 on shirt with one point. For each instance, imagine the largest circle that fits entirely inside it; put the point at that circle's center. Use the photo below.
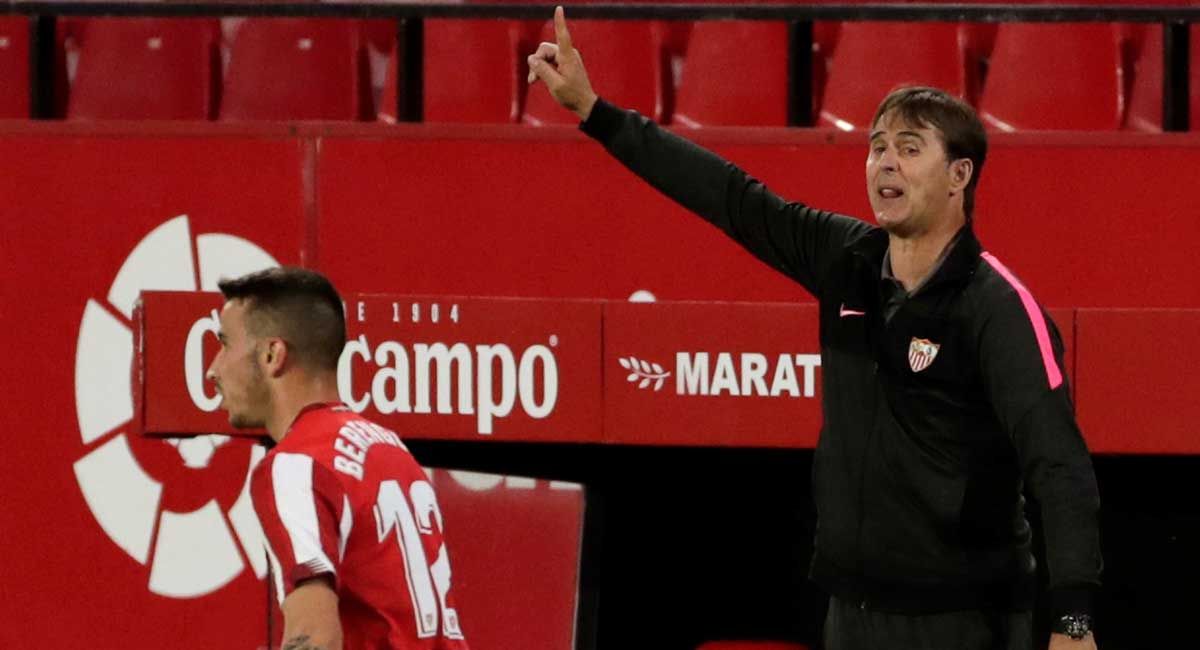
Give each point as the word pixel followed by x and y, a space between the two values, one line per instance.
pixel 428 584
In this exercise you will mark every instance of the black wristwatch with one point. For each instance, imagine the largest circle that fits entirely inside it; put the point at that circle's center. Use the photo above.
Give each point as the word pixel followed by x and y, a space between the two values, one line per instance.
pixel 1075 626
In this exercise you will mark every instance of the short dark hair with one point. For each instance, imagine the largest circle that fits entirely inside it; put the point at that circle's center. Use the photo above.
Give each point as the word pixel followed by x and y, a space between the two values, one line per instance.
pixel 961 130
pixel 298 305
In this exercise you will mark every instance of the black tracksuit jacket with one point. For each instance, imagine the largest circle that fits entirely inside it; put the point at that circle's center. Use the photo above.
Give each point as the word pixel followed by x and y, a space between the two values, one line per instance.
pixel 918 475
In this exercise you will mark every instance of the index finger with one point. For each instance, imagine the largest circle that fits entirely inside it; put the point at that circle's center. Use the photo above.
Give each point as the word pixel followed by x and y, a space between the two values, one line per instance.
pixel 560 30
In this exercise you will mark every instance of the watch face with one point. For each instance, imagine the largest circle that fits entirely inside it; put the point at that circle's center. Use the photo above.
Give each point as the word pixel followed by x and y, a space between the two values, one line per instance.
pixel 1075 627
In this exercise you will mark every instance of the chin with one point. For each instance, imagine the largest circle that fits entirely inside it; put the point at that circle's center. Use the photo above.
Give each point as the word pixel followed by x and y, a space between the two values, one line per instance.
pixel 894 225
pixel 901 221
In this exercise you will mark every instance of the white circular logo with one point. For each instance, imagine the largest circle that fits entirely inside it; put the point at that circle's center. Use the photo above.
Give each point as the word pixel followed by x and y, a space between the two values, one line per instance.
pixel 183 529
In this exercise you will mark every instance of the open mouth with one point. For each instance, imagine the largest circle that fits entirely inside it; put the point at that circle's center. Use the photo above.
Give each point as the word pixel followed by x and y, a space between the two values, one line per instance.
pixel 890 192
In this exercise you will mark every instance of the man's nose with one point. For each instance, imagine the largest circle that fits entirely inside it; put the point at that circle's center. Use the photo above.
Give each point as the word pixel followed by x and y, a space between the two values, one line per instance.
pixel 887 160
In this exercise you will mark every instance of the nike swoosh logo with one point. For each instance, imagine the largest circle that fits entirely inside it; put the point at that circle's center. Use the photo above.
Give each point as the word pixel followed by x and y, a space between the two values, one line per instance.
pixel 850 312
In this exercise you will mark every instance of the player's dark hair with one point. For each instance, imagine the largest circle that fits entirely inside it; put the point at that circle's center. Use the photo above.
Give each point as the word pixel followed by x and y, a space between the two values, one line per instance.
pixel 961 130
pixel 298 305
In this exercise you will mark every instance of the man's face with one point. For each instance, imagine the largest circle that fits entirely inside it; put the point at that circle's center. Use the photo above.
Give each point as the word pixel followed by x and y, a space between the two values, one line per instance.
pixel 908 176
pixel 237 372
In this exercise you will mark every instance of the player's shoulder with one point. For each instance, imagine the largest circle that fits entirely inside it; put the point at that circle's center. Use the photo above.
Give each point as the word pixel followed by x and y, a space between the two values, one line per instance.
pixel 277 460
pixel 284 471
pixel 348 445
pixel 997 289
pixel 1004 306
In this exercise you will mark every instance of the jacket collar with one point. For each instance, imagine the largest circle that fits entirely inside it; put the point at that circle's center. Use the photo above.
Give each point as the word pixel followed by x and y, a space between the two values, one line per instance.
pixel 958 266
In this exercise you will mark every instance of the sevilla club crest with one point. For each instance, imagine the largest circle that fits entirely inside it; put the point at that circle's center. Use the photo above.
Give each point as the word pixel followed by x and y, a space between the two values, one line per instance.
pixel 921 353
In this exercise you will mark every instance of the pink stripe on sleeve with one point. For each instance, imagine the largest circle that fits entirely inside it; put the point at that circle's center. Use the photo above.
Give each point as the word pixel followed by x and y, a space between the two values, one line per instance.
pixel 1035 318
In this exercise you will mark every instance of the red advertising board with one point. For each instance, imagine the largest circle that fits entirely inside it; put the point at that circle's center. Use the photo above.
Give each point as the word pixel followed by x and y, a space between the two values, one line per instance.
pixel 1137 389
pixel 175 339
pixel 712 374
pixel 515 547
pixel 668 373
pixel 530 370
pixel 464 368
pixel 428 367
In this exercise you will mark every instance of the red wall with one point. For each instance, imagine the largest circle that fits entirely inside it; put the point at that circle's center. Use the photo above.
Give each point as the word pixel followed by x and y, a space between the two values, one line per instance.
pixel 510 212
pixel 1097 222
pixel 73 208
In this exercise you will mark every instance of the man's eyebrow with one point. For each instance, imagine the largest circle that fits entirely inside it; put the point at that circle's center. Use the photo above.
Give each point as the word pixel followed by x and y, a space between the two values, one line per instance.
pixel 901 134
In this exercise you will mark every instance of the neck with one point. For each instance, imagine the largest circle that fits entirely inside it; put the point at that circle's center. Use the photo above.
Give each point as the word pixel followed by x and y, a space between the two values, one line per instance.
pixel 913 257
pixel 293 393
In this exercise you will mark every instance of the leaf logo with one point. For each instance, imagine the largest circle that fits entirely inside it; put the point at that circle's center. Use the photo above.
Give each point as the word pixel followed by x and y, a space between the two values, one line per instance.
pixel 644 372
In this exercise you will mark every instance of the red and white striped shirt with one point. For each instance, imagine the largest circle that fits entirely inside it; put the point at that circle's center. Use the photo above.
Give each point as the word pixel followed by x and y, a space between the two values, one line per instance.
pixel 342 498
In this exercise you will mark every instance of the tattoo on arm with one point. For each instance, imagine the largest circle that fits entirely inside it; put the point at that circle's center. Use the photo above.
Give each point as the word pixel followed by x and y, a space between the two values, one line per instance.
pixel 299 643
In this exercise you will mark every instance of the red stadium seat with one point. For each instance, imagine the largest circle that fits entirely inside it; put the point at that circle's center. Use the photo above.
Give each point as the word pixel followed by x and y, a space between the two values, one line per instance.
pixel 297 69
pixel 1146 66
pixel 735 73
pixel 751 645
pixel 145 68
pixel 474 72
pixel 625 61
pixel 14 67
pixel 870 59
pixel 1055 76
pixel 388 107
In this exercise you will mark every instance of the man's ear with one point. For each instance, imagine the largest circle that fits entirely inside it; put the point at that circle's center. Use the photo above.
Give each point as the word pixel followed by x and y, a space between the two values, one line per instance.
pixel 275 357
pixel 961 171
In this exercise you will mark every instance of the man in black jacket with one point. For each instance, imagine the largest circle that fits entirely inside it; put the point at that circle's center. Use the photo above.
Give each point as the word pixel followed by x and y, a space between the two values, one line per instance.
pixel 944 396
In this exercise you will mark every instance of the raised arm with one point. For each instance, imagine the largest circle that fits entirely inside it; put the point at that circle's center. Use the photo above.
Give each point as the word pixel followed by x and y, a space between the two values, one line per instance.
pixel 793 238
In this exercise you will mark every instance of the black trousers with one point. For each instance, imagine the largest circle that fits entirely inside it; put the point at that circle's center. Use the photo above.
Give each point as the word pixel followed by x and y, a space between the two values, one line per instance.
pixel 849 627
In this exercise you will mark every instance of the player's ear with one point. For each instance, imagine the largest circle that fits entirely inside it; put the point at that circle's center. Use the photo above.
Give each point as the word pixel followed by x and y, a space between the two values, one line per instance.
pixel 275 356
